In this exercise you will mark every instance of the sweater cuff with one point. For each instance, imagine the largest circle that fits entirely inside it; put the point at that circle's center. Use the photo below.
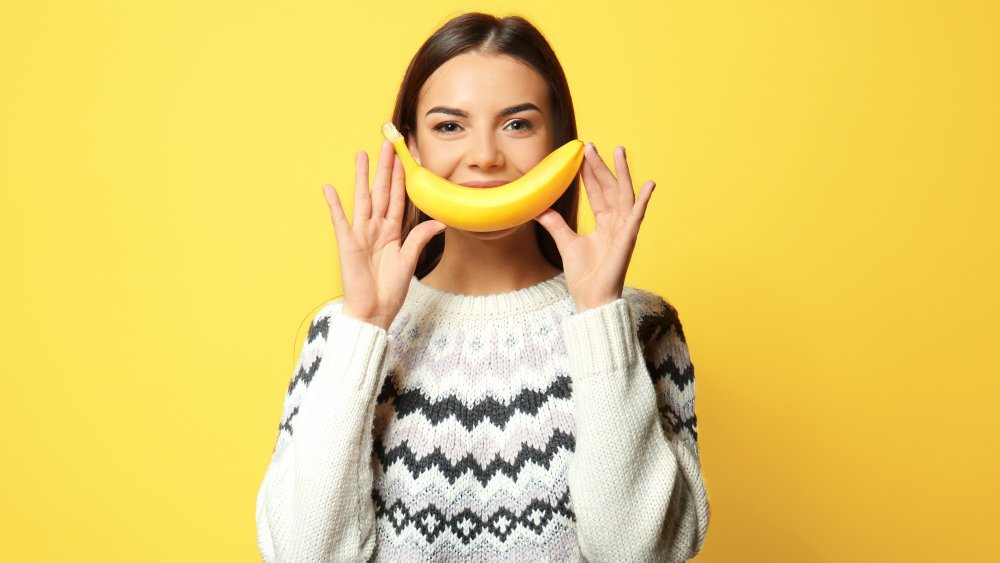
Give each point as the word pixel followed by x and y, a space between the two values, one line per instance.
pixel 359 350
pixel 600 340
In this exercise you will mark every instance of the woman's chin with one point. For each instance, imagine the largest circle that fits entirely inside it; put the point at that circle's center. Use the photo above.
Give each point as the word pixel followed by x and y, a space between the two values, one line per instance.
pixel 491 235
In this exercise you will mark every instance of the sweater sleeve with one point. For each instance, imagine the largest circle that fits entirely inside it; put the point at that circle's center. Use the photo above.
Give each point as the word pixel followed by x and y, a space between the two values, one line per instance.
pixel 635 480
pixel 314 503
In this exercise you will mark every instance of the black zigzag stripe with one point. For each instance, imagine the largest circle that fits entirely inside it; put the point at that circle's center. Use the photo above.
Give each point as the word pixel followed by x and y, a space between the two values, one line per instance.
pixel 319 327
pixel 388 390
pixel 527 401
pixel 660 322
pixel 668 368
pixel 673 421
pixel 305 376
pixel 452 471
pixel 468 525
pixel 654 328
pixel 287 425
pixel 651 329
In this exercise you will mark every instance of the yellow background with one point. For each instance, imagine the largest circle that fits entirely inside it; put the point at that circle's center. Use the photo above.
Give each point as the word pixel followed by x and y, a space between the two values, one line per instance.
pixel 825 223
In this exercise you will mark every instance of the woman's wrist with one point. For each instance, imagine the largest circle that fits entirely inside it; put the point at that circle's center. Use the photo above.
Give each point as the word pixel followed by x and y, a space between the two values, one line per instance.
pixel 381 322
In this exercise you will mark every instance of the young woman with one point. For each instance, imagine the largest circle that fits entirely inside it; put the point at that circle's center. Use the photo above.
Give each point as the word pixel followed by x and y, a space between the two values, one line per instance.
pixel 491 396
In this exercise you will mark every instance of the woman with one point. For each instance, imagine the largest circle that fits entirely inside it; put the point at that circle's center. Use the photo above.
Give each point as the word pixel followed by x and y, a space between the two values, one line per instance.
pixel 487 396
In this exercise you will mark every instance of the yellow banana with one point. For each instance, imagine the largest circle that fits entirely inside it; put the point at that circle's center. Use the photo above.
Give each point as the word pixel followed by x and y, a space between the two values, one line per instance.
pixel 488 209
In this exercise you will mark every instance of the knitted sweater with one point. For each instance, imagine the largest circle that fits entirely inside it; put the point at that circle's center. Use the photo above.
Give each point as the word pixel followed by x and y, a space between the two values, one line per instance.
pixel 504 427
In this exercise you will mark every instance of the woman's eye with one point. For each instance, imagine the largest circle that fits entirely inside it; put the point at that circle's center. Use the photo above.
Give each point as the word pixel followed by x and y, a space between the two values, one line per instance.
pixel 523 124
pixel 514 124
pixel 442 126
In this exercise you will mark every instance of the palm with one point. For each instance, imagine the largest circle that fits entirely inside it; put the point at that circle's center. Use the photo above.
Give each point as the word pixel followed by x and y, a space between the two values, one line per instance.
pixel 371 258
pixel 375 263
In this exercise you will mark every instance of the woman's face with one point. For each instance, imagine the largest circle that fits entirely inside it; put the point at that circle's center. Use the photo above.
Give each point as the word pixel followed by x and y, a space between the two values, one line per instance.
pixel 482 118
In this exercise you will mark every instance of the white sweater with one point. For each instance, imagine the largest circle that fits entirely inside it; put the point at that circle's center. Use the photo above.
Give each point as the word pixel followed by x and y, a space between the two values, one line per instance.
pixel 505 427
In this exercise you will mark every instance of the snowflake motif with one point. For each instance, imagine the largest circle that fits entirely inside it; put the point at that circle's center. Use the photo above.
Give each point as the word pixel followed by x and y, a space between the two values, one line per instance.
pixel 535 517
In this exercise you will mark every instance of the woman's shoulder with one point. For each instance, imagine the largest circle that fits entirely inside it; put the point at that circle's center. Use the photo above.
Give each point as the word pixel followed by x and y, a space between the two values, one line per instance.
pixel 330 308
pixel 653 313
pixel 320 317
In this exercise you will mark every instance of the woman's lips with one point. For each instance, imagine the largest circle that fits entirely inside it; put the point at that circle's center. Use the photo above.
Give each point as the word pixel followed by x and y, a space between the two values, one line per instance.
pixel 490 184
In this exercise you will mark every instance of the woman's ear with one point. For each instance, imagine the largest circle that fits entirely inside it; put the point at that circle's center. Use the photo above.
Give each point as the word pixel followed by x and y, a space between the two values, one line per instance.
pixel 412 145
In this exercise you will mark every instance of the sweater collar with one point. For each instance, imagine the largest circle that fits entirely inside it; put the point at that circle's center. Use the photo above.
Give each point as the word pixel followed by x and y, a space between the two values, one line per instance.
pixel 531 298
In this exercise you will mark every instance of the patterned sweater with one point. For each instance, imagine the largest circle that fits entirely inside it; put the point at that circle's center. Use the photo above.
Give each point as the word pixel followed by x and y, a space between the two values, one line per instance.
pixel 504 427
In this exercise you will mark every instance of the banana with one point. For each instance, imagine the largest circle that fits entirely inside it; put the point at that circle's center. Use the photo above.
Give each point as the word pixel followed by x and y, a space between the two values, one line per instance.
pixel 488 209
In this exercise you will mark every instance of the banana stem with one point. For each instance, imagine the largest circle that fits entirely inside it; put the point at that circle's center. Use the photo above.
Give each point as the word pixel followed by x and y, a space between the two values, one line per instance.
pixel 390 132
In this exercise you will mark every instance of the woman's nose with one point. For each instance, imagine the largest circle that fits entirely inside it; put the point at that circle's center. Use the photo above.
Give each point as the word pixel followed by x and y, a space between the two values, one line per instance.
pixel 485 152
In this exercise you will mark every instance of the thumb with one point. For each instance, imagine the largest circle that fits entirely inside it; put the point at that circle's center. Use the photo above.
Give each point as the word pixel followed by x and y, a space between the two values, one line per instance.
pixel 556 226
pixel 418 238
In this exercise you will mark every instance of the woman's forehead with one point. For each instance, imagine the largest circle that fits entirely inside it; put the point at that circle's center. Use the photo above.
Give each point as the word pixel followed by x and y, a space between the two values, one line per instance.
pixel 480 83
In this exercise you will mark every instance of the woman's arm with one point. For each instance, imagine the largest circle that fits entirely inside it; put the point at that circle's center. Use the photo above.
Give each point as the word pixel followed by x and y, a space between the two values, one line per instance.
pixel 314 503
pixel 635 479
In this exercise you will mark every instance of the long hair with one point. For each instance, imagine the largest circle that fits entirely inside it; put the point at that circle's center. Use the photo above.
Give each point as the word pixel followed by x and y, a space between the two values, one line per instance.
pixel 512 36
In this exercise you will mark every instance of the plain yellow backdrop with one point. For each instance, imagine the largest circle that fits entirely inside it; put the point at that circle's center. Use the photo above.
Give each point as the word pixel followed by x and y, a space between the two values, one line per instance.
pixel 825 222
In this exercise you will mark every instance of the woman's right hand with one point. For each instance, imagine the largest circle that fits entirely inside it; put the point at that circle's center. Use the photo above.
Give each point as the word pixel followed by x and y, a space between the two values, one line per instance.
pixel 375 265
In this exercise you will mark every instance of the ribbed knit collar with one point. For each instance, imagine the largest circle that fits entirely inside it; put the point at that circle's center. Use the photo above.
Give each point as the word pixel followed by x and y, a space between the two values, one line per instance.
pixel 531 298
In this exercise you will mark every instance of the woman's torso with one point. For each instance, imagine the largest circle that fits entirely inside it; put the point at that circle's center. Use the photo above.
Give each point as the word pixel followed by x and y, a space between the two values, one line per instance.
pixel 474 431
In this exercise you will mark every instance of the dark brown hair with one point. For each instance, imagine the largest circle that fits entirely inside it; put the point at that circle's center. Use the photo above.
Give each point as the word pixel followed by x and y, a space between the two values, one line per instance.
pixel 512 36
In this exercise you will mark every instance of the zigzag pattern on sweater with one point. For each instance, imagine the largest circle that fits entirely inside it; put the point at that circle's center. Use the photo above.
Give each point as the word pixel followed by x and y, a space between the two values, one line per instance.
pixel 452 471
pixel 467 525
pixel 659 330
pixel 471 473
pixel 305 369
pixel 667 360
pixel 527 401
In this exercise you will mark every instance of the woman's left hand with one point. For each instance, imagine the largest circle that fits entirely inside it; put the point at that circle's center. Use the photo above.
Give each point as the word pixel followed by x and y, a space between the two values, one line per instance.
pixel 595 263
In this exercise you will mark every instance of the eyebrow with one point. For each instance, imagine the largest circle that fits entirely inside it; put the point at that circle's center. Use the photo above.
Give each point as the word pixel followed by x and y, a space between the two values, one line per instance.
pixel 501 113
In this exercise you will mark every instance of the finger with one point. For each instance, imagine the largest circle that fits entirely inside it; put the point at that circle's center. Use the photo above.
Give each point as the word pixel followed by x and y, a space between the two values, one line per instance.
pixel 627 198
pixel 418 238
pixel 340 225
pixel 362 201
pixel 383 171
pixel 605 177
pixel 557 227
pixel 397 197
pixel 380 192
pixel 595 194
pixel 639 211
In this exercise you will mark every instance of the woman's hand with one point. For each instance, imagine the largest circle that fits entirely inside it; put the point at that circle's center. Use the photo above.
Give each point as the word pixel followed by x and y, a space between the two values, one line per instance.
pixel 595 264
pixel 375 265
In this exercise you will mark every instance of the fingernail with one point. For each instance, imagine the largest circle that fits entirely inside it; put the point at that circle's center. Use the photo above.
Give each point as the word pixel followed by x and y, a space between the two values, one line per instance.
pixel 623 152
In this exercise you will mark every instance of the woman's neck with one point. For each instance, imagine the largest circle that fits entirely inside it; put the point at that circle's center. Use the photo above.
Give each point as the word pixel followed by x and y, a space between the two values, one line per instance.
pixel 477 265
